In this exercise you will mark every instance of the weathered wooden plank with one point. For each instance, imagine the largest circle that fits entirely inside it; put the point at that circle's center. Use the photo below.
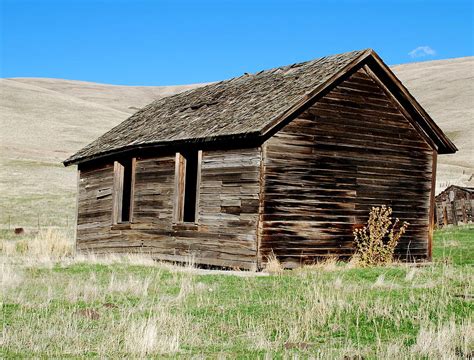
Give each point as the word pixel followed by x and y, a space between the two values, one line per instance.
pixel 227 210
pixel 352 150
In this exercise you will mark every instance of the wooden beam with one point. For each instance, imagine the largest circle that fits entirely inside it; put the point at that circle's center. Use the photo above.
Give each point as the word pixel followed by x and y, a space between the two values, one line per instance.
pixel 132 189
pixel 78 186
pixel 432 205
pixel 198 185
pixel 261 199
pixel 179 182
pixel 117 193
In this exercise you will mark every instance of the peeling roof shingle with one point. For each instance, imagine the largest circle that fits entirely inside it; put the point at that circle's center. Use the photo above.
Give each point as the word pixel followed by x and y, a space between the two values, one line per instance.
pixel 238 106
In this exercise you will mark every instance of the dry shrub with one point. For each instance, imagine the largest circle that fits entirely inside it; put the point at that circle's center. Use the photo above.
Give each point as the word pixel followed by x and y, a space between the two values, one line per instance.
pixel 273 265
pixel 376 241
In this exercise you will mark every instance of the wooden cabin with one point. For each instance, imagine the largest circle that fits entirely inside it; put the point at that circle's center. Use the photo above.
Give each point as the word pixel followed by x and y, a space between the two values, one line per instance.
pixel 454 206
pixel 286 161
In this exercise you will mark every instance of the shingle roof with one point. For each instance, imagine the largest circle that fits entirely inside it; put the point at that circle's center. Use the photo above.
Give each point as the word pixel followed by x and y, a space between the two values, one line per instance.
pixel 242 105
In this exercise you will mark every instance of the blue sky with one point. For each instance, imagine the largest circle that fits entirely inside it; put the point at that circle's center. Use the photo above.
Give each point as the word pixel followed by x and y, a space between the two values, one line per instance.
pixel 177 42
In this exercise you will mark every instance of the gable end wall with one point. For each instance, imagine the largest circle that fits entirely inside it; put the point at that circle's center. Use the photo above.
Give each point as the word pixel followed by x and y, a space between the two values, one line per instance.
pixel 352 150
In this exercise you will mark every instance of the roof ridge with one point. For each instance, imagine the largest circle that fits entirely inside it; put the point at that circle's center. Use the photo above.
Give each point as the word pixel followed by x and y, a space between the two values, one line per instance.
pixel 227 109
pixel 265 71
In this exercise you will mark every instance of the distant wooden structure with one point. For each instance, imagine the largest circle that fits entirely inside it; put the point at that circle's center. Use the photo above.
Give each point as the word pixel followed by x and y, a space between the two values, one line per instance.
pixel 286 161
pixel 454 206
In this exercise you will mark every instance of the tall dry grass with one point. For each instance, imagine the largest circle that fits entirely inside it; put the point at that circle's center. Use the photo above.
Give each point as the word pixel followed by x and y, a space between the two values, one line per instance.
pixel 47 244
pixel 128 306
pixel 10 276
pixel 273 265
pixel 445 341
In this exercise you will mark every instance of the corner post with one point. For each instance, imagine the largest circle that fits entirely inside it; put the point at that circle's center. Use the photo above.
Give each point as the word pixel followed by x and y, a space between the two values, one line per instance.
pixel 76 222
pixel 432 205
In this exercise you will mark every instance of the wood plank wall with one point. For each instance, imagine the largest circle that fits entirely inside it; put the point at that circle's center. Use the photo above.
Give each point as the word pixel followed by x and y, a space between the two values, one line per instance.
pixel 154 189
pixel 352 150
pixel 226 229
pixel 458 211
pixel 95 204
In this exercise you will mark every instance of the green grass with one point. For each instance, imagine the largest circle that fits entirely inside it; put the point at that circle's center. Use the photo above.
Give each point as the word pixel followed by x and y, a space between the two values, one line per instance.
pixel 108 308
pixel 455 245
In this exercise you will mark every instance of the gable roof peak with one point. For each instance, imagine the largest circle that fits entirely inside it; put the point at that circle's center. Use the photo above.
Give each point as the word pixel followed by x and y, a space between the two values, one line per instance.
pixel 248 106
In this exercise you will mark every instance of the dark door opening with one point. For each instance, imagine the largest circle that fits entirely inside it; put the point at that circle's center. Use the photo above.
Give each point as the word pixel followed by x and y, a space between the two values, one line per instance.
pixel 190 190
pixel 127 190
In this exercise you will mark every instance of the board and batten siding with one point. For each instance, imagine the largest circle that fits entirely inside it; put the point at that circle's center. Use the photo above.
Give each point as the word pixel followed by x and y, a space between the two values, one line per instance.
pixel 353 149
pixel 225 233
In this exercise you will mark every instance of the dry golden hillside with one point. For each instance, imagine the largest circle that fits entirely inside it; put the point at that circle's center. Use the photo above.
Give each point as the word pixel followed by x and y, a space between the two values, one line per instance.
pixel 445 88
pixel 46 120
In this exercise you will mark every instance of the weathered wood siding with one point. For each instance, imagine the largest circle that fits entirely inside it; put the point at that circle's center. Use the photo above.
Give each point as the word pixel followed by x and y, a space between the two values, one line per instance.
pixel 154 190
pixel 228 205
pixel 352 150
pixel 225 233
pixel 95 201
pixel 454 205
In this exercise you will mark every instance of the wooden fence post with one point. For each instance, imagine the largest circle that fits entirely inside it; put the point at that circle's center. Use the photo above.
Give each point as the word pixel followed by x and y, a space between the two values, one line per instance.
pixel 453 210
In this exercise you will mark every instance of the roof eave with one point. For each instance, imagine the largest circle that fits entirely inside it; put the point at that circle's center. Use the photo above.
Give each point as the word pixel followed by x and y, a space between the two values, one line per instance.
pixel 214 140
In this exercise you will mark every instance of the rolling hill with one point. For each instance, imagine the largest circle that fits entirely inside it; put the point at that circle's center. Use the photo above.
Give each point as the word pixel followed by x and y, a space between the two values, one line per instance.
pixel 45 120
pixel 445 88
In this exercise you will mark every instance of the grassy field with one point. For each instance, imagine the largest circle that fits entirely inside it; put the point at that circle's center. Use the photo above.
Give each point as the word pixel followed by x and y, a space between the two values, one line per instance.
pixel 129 306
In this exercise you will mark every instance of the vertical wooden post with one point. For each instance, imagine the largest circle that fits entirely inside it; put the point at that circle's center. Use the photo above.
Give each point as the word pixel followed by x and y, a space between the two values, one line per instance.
pixel 198 186
pixel 445 214
pixel 76 222
pixel 261 199
pixel 117 193
pixel 464 213
pixel 454 212
pixel 132 190
pixel 432 205
pixel 179 186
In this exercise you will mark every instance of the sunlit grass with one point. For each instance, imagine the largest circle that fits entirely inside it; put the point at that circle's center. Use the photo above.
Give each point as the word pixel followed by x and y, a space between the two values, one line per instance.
pixel 130 306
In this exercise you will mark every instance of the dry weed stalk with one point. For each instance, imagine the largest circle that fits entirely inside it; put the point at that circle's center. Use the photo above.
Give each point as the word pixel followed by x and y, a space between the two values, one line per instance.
pixel 273 265
pixel 377 240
